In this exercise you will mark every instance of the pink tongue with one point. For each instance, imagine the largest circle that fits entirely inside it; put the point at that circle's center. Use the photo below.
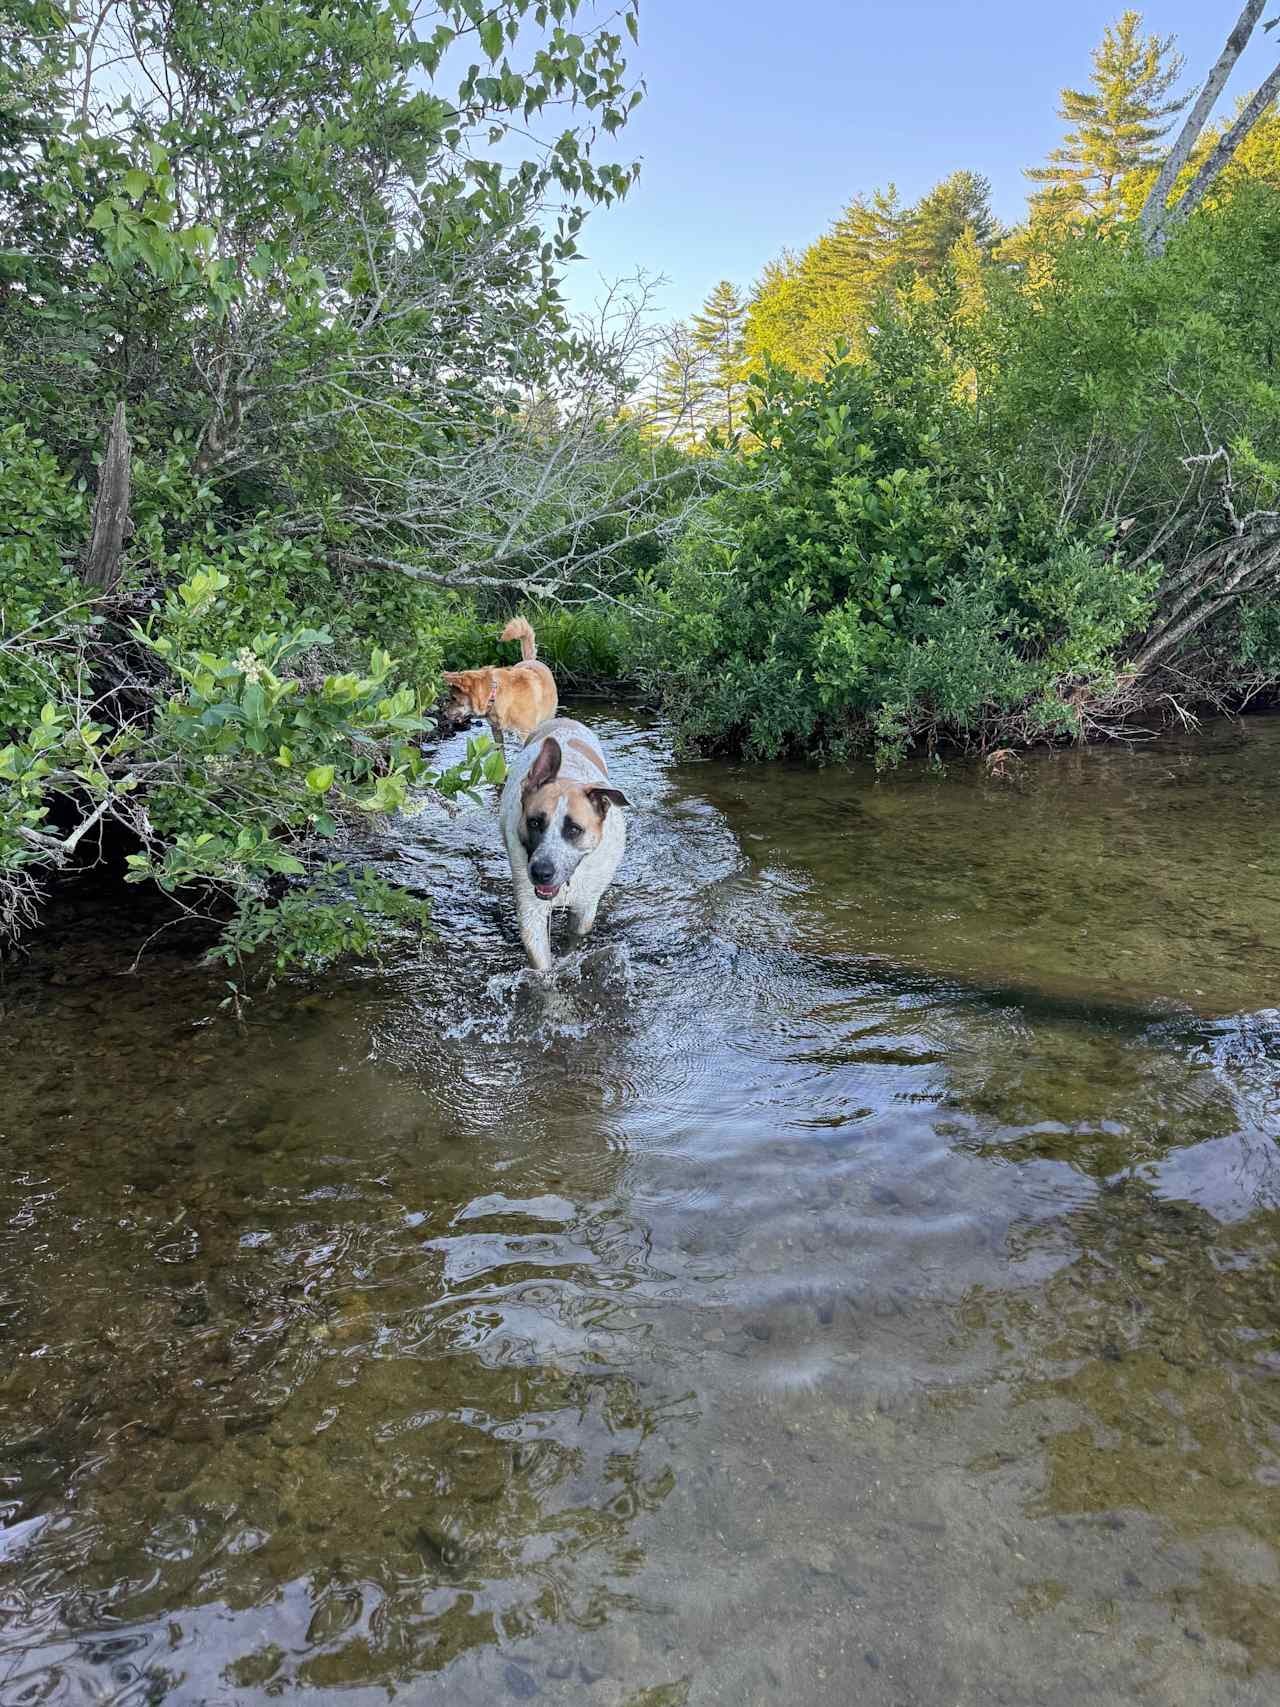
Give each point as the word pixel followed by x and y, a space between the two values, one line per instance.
pixel 546 890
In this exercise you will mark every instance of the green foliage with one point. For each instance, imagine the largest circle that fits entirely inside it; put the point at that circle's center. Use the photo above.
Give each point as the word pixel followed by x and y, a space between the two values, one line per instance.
pixel 249 758
pixel 1257 638
pixel 877 583
pixel 311 927
pixel 1136 379
pixel 1116 123
pixel 42 519
pixel 806 305
pixel 305 247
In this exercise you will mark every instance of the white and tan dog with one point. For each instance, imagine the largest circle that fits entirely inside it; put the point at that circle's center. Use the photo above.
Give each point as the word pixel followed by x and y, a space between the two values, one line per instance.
pixel 563 829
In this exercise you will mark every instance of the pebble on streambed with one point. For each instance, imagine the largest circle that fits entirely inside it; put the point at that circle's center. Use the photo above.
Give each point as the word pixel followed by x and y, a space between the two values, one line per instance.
pixel 446 1542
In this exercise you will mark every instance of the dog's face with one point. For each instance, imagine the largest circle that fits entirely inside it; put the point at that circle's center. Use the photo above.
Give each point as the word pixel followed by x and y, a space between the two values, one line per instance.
pixel 560 822
pixel 468 696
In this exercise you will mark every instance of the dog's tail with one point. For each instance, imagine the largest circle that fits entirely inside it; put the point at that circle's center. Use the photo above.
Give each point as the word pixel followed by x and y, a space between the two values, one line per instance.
pixel 518 629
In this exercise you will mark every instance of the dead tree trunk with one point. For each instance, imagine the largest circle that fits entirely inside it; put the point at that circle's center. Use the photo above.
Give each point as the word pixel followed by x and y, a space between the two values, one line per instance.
pixel 110 510
pixel 1157 217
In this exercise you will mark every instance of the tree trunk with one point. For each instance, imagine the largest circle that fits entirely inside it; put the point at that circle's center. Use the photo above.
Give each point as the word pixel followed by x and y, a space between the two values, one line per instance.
pixel 1157 216
pixel 1225 148
pixel 110 510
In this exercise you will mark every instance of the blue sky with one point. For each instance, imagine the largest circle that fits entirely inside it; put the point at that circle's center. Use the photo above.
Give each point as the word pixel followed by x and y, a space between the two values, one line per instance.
pixel 763 119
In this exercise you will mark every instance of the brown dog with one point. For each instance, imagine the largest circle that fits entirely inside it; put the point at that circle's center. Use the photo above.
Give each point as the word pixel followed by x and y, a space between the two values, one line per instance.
pixel 518 698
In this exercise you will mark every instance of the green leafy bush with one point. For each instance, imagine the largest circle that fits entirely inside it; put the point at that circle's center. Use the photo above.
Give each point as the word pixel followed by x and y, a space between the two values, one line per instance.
pixel 287 242
pixel 43 516
pixel 870 584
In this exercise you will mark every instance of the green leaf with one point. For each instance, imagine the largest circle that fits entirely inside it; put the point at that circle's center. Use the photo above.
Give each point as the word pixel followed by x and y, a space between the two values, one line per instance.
pixel 320 779
pixel 490 30
pixel 137 184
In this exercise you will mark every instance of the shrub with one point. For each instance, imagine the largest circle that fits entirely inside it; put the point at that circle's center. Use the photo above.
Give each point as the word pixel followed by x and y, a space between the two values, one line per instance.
pixel 873 583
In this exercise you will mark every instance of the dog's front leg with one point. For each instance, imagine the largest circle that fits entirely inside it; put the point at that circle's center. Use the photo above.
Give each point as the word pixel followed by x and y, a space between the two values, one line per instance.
pixel 535 934
pixel 532 915
pixel 583 918
pixel 534 918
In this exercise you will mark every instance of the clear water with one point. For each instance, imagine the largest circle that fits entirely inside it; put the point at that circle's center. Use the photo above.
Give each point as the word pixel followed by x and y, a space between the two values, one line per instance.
pixel 855 1278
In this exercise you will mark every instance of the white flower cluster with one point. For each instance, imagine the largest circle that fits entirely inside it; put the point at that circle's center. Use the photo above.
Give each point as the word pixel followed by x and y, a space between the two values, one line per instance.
pixel 250 668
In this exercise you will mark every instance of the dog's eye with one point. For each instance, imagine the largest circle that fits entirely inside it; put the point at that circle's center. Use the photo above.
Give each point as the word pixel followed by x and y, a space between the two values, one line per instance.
pixel 537 823
pixel 571 830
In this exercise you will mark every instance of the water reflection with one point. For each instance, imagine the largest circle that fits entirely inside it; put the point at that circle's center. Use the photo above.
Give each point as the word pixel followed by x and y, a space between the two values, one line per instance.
pixel 254 1371
pixel 817 1292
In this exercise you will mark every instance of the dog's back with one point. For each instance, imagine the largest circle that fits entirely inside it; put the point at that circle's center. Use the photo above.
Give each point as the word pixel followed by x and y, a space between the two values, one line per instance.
pixel 582 756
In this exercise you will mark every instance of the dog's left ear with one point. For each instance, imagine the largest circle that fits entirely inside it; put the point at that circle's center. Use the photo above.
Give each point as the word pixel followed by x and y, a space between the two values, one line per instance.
pixel 455 678
pixel 603 798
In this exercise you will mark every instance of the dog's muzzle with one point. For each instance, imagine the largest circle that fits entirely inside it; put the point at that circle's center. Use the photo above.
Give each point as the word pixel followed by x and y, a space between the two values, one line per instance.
pixel 542 876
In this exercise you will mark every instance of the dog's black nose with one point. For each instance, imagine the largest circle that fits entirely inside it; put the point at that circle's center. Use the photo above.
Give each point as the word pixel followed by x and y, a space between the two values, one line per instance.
pixel 541 871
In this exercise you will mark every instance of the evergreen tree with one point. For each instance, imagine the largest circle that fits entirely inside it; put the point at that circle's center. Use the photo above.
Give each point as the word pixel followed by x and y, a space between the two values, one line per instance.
pixel 865 244
pixel 1116 123
pixel 778 317
pixel 958 205
pixel 718 332
pixel 678 406
pixel 804 305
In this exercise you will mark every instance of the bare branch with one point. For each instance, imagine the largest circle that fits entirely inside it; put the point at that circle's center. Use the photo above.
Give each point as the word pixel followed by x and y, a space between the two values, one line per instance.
pixel 1156 216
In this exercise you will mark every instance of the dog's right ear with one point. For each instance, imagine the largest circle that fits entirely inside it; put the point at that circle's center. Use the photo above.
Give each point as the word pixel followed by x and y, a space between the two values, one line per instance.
pixel 455 678
pixel 546 767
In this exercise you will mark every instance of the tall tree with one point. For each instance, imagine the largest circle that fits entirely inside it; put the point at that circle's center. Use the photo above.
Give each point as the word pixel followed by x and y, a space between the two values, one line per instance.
pixel 959 204
pixel 678 404
pixel 1117 123
pixel 803 306
pixel 777 319
pixel 718 332
pixel 865 243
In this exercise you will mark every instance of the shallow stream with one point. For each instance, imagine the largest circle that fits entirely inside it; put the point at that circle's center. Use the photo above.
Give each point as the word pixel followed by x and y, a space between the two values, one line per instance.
pixel 854 1279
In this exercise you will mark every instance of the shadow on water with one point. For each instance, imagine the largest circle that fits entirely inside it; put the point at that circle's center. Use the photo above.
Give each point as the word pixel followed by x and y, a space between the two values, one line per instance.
pixel 855 1276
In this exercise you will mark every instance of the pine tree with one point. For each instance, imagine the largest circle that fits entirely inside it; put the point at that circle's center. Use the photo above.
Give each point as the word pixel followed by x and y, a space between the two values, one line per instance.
pixel 865 243
pixel 777 325
pixel 678 406
pixel 719 333
pixel 1116 123
pixel 959 204
pixel 805 305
